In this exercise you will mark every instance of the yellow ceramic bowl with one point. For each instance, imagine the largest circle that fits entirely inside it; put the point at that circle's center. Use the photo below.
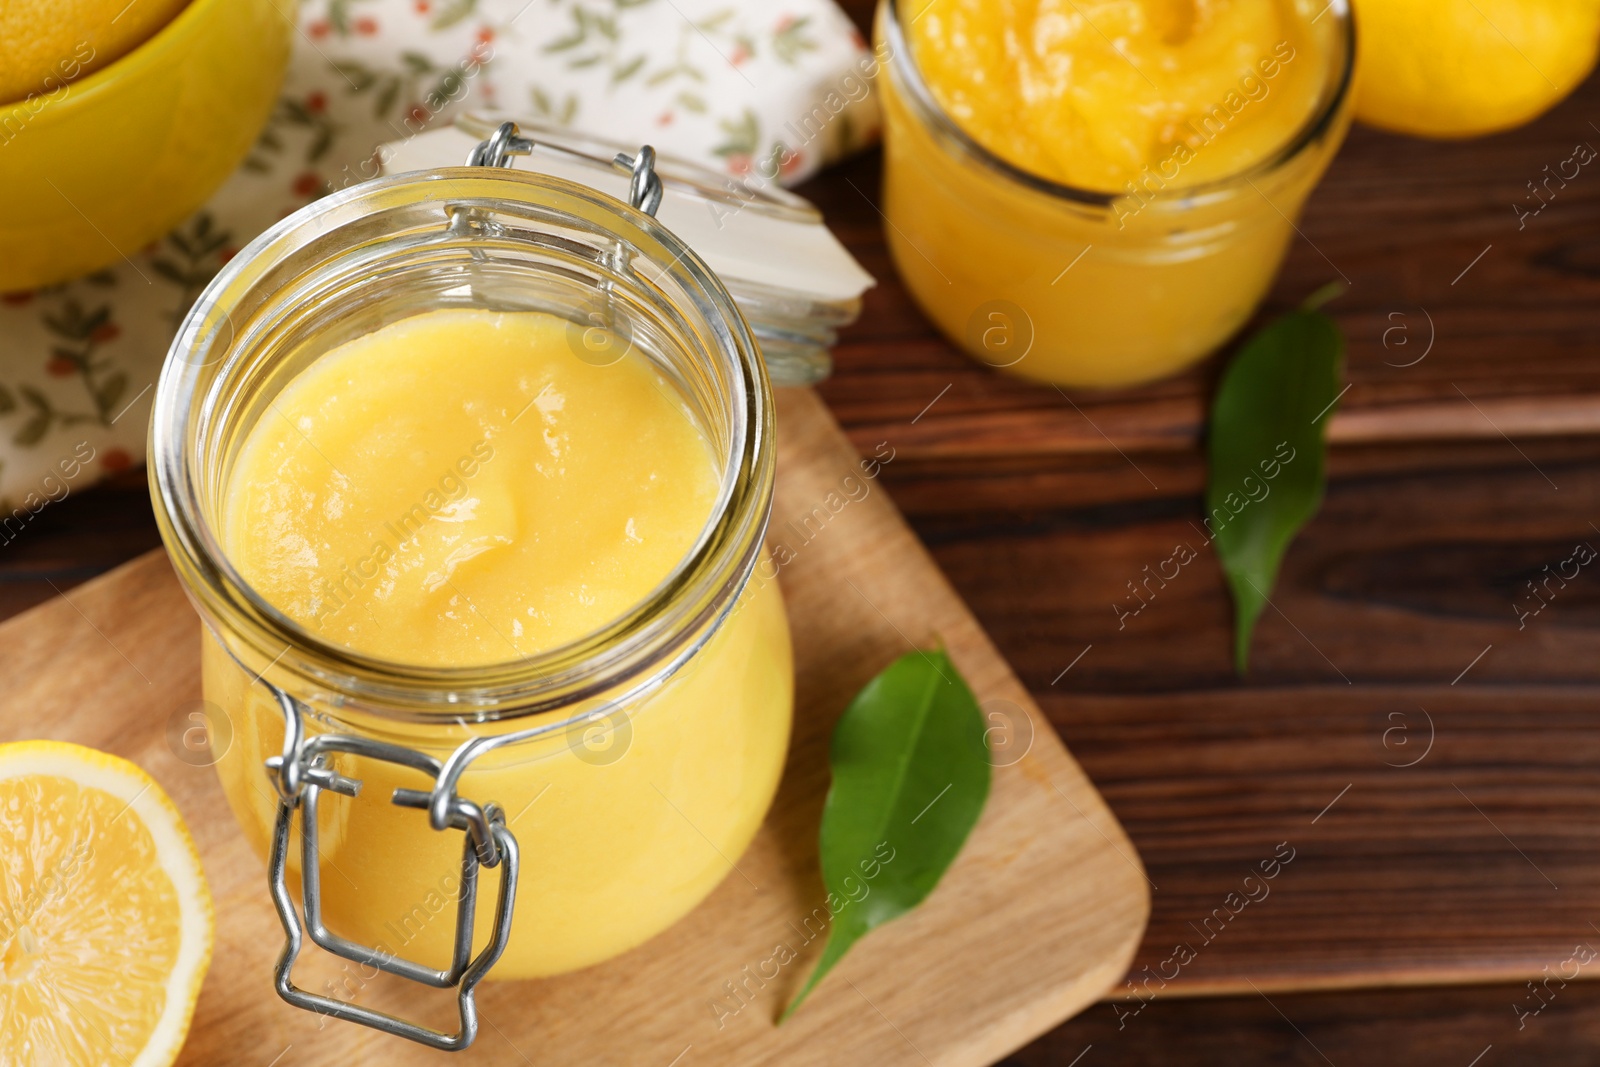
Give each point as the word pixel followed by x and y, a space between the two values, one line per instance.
pixel 103 166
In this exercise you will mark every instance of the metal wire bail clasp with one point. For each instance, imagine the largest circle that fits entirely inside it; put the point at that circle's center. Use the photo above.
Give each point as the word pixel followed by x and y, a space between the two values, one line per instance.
pixel 644 187
pixel 644 191
pixel 300 775
pixel 498 148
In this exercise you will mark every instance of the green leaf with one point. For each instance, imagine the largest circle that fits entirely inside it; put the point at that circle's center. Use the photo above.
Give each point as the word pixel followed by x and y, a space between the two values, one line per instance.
pixel 319 144
pixel 111 391
pixel 417 63
pixel 32 431
pixel 386 98
pixel 357 75
pixel 713 22
pixel 339 16
pixel 910 777
pixel 579 34
pixel 453 13
pixel 627 70
pixel 170 271
pixel 1267 455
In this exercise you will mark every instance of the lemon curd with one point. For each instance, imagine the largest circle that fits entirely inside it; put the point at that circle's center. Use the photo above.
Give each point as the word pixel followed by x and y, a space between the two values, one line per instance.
pixel 462 488
pixel 1098 192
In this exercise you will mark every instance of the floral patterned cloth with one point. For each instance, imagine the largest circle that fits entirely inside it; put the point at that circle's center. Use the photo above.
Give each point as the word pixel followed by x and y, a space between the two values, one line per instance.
pixel 764 89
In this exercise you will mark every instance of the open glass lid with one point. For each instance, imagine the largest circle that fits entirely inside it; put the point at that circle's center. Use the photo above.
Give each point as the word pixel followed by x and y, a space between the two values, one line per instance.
pixel 792 279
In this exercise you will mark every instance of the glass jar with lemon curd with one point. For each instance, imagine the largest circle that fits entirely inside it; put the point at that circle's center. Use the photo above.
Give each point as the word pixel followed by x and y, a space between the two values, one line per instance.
pixel 467 473
pixel 1099 192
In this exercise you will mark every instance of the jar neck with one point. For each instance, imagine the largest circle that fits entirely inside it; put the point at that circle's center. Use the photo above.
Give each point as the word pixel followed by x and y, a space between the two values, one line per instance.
pixel 459 237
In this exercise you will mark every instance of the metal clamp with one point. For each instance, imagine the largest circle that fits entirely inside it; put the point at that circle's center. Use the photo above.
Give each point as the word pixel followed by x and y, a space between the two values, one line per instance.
pixel 300 775
pixel 498 148
pixel 644 188
pixel 644 191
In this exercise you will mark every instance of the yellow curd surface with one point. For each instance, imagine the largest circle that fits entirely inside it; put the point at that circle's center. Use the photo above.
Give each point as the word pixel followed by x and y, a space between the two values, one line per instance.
pixel 1178 111
pixel 457 489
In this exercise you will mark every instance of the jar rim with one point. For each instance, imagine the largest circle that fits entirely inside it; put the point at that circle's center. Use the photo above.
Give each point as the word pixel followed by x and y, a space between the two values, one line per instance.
pixel 651 639
pixel 929 109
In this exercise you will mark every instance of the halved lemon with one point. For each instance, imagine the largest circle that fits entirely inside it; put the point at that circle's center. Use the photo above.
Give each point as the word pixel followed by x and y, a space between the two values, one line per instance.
pixel 105 918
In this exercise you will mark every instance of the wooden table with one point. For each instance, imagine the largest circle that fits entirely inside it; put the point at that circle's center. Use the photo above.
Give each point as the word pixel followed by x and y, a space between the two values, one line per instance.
pixel 1420 898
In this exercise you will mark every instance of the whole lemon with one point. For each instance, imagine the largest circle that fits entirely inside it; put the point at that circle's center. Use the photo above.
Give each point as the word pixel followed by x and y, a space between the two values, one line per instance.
pixel 1460 68
pixel 45 44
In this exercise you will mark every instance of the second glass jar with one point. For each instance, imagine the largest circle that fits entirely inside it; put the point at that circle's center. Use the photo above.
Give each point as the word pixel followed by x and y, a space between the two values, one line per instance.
pixel 1080 287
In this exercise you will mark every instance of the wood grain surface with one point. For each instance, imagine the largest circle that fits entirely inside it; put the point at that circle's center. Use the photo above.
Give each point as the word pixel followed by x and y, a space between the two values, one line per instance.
pixel 1456 1026
pixel 1036 919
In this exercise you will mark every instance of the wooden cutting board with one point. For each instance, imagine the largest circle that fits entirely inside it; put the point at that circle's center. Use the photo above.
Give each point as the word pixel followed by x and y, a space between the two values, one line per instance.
pixel 1037 918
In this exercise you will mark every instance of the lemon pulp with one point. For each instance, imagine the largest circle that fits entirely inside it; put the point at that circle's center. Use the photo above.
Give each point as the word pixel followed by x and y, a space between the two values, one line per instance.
pixel 105 920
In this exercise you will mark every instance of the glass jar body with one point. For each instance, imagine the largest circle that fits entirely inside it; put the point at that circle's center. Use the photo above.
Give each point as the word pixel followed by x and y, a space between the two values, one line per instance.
pixel 634 763
pixel 1064 289
pixel 625 822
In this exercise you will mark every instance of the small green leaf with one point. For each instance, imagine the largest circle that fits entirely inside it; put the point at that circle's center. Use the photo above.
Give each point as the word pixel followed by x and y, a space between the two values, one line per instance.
pixel 386 98
pixel 32 431
pixel 1267 455
pixel 910 777
pixel 319 144
pixel 453 13
pixel 627 70
pixel 111 390
pixel 358 75
pixel 170 271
